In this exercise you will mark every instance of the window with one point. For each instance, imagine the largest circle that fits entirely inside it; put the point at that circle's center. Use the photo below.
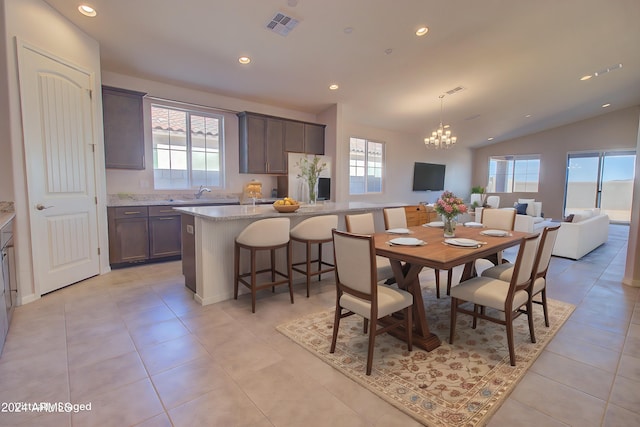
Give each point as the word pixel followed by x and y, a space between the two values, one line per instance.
pixel 602 179
pixel 187 148
pixel 366 163
pixel 514 174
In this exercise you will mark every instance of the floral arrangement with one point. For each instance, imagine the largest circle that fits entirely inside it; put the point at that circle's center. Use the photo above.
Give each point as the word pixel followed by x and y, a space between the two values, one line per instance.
pixel 310 171
pixel 449 205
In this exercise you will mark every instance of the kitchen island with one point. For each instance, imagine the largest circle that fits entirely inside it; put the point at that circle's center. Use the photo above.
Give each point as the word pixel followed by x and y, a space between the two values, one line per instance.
pixel 208 236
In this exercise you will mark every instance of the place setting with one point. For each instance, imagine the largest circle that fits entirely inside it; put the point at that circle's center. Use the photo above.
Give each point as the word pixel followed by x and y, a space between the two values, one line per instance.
pixel 495 233
pixel 460 242
pixel 398 231
pixel 434 224
pixel 406 241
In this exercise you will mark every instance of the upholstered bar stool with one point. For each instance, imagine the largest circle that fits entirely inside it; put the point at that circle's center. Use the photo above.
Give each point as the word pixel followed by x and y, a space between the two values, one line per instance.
pixel 266 234
pixel 313 231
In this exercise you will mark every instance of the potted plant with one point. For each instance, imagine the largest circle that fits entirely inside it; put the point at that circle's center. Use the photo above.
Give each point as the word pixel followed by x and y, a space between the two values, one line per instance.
pixel 478 197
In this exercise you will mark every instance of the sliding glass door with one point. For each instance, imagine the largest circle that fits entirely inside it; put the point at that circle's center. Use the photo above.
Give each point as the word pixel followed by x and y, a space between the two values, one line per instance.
pixel 601 180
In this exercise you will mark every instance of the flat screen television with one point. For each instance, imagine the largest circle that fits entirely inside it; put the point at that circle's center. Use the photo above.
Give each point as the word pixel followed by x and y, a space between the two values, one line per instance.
pixel 428 177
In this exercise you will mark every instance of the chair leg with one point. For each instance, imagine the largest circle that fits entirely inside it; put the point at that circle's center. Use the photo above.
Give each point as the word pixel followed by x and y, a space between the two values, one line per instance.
pixel 236 270
pixel 273 268
pixel 543 295
pixel 308 273
pixel 290 270
pixel 454 314
pixel 319 260
pixel 409 326
pixel 449 280
pixel 512 355
pixel 366 326
pixel 336 325
pixel 437 274
pixel 530 318
pixel 253 280
pixel 372 340
pixel 475 318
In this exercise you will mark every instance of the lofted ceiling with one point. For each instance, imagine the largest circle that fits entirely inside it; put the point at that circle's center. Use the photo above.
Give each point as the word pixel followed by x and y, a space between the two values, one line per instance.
pixel 518 62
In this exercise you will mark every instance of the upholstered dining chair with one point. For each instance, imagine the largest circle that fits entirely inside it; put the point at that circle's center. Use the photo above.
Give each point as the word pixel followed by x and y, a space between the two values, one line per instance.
pixel 363 224
pixel 539 273
pixel 358 292
pixel 313 231
pixel 394 218
pixel 501 219
pixel 507 298
pixel 268 235
pixel 493 202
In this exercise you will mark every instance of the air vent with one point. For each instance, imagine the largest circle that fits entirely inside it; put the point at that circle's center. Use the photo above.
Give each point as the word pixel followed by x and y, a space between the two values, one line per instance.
pixel 282 24
pixel 454 90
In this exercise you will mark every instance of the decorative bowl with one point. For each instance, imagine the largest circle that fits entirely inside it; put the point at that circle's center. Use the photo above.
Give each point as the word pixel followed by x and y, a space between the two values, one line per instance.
pixel 286 208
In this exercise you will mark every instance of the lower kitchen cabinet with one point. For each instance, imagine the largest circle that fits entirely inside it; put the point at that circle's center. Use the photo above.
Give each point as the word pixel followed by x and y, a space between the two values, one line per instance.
pixel 164 232
pixel 140 233
pixel 128 234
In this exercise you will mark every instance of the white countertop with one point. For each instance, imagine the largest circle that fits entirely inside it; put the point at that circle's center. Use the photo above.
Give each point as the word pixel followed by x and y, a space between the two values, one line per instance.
pixel 226 213
pixel 172 202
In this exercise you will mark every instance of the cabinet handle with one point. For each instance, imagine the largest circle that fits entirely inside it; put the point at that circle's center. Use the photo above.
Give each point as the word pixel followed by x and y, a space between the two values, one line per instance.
pixel 132 213
pixel 166 210
pixel 169 218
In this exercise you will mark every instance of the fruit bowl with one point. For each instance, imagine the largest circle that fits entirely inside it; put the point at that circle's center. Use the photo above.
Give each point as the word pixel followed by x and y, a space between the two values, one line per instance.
pixel 286 205
pixel 286 208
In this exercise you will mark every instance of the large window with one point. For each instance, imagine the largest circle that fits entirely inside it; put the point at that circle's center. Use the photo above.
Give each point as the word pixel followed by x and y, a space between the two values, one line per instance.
pixel 601 180
pixel 366 164
pixel 514 174
pixel 187 148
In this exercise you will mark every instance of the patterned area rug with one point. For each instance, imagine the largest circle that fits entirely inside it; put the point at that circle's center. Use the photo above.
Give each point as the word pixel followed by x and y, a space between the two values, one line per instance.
pixel 454 385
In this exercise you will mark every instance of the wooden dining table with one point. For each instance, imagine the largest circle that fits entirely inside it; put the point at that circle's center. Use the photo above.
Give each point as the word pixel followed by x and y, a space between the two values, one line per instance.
pixel 408 261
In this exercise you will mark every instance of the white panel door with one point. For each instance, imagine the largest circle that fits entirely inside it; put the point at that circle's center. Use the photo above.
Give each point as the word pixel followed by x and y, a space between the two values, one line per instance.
pixel 58 142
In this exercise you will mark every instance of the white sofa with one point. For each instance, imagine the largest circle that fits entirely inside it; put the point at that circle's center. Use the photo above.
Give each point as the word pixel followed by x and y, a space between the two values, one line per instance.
pixel 588 230
pixel 532 222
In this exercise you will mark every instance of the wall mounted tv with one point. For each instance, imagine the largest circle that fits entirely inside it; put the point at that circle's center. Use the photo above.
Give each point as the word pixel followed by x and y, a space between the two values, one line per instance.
pixel 428 177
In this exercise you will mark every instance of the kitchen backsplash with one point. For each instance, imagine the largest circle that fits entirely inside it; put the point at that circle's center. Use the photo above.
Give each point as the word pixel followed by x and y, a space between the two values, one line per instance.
pixel 6 207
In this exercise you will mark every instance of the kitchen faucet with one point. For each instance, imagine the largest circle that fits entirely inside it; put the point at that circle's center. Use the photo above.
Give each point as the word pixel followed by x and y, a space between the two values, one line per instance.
pixel 202 190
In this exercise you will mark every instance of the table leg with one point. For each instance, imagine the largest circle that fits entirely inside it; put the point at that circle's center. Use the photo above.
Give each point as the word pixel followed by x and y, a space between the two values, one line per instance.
pixel 407 279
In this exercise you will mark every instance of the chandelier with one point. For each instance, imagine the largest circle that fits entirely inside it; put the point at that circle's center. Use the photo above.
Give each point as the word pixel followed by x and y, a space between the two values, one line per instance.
pixel 440 138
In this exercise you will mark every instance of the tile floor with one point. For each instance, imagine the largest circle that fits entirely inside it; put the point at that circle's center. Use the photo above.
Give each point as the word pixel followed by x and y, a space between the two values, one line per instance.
pixel 135 344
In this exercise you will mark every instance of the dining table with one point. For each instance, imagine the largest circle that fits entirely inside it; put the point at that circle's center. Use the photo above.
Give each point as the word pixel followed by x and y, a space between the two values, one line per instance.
pixel 411 250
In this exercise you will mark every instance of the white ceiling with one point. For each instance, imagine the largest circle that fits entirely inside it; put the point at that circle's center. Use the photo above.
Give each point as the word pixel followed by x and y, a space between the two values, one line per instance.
pixel 513 58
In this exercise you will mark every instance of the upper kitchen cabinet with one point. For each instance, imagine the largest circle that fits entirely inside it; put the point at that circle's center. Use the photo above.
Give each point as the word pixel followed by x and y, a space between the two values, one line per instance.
pixel 265 141
pixel 123 128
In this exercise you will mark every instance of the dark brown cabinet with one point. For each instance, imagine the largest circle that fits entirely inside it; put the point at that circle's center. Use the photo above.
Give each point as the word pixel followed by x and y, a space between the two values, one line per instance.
pixel 128 234
pixel 266 140
pixel 164 232
pixel 123 128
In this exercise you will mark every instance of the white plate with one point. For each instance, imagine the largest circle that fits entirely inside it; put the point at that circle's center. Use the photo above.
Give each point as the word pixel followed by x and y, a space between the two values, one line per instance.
pixel 398 231
pixel 495 233
pixel 439 224
pixel 467 243
pixel 473 224
pixel 406 241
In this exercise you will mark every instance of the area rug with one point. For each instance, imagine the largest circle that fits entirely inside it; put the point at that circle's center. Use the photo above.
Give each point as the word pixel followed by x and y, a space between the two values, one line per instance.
pixel 454 385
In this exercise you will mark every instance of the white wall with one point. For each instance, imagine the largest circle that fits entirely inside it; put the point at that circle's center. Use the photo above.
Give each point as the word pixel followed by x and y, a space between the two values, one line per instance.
pixel 34 22
pixel 401 151
pixel 6 170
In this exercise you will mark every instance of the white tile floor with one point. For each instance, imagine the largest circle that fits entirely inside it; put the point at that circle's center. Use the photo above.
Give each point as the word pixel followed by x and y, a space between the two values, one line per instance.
pixel 135 344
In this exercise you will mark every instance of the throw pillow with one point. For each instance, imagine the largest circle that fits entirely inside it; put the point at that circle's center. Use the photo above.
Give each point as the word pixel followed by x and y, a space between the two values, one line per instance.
pixel 521 208
pixel 531 209
pixel 568 218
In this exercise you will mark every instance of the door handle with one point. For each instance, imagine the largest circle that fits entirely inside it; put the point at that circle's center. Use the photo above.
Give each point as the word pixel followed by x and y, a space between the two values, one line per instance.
pixel 41 207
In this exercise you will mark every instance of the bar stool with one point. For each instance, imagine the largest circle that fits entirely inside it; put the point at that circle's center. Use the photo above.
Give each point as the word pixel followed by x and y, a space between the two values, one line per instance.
pixel 311 231
pixel 266 234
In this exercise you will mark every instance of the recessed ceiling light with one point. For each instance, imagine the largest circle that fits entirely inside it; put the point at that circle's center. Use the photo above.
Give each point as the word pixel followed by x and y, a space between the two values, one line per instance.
pixel 422 31
pixel 490 139
pixel 446 126
pixel 244 60
pixel 587 77
pixel 333 87
pixel 87 10
pixel 527 116
pixel 606 105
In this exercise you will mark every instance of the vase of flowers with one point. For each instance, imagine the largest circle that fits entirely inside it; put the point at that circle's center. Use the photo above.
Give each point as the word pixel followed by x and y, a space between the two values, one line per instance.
pixel 310 171
pixel 449 206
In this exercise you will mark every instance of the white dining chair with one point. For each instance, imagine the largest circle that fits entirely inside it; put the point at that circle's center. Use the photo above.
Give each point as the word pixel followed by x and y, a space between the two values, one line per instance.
pixel 364 224
pixel 358 292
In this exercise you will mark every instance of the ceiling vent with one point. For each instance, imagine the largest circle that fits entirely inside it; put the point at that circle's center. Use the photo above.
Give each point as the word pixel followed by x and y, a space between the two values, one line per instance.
pixel 282 24
pixel 454 90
